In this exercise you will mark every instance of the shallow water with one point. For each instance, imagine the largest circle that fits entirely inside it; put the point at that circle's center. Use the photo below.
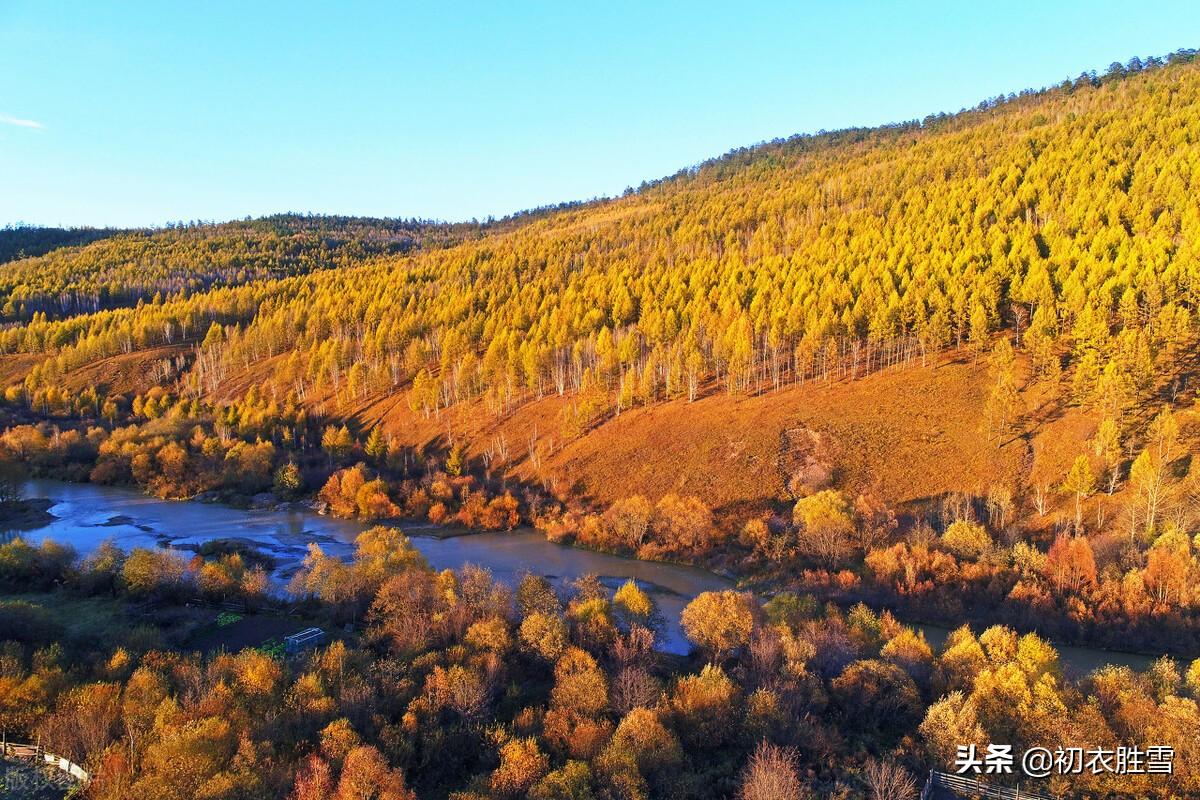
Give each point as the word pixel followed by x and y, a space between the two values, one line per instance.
pixel 89 514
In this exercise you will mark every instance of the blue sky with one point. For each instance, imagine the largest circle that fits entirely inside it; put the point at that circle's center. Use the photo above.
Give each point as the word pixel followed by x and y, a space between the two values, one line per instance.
pixel 131 113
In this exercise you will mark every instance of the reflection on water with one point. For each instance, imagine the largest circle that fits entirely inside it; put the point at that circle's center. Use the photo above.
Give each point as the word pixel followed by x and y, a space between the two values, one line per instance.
pixel 88 515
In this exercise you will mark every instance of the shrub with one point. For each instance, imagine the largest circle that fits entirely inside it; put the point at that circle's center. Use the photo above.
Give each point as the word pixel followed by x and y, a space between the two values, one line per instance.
pixel 966 539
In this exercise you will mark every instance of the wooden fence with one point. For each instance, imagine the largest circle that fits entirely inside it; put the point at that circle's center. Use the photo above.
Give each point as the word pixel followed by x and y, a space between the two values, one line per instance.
pixel 943 785
pixel 37 754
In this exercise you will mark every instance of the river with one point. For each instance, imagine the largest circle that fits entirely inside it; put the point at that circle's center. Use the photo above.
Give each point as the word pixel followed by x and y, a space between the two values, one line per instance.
pixel 88 514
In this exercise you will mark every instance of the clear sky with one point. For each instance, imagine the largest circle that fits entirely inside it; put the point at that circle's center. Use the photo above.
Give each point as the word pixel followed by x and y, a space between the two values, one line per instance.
pixel 139 113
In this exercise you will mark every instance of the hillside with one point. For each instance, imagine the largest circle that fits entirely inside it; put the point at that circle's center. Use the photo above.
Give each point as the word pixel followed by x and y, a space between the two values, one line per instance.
pixel 951 307
pixel 60 273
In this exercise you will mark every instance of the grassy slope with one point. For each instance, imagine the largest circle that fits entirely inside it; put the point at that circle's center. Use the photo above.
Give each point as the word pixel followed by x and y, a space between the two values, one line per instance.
pixel 916 430
pixel 126 374
pixel 80 617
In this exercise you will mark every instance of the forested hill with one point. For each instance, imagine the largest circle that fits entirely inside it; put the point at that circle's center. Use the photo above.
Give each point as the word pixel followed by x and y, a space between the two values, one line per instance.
pixel 28 241
pixel 64 272
pixel 67 271
pixel 1043 246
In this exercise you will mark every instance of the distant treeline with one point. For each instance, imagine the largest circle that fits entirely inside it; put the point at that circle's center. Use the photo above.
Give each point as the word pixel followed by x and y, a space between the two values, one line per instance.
pixel 27 241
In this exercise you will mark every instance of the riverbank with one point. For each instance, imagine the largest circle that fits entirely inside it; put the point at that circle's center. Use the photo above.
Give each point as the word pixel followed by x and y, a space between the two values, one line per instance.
pixel 26 514
pixel 86 514
pixel 89 514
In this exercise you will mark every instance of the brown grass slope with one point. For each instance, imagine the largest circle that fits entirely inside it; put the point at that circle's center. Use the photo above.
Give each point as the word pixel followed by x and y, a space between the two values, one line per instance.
pixel 915 433
pixel 127 374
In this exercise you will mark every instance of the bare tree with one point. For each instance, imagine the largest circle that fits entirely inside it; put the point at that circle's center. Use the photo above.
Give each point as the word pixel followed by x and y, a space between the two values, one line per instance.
pixel 535 457
pixel 887 780
pixel 766 656
pixel 1041 493
pixel 1000 506
pixel 773 773
pixel 634 687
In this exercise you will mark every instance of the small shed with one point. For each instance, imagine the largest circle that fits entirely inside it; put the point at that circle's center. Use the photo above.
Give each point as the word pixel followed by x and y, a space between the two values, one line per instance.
pixel 304 640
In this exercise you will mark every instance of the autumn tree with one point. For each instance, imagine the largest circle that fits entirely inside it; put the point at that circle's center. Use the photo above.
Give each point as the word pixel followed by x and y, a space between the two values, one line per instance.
pixel 635 605
pixel 288 480
pixel 966 539
pixel 1106 445
pixel 887 780
pixel 773 773
pixel 877 693
pixel 950 722
pixel 1169 569
pixel 1079 483
pixel 579 684
pixel 702 706
pixel 628 522
pixel 543 634
pixel 147 572
pixel 522 765
pixel 314 780
pixel 719 622
pixel 1070 564
pixel 1149 471
pixel 1002 402
pixel 825 524
pixel 337 442
pixel 376 446
pixel 366 776
pixel 683 526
